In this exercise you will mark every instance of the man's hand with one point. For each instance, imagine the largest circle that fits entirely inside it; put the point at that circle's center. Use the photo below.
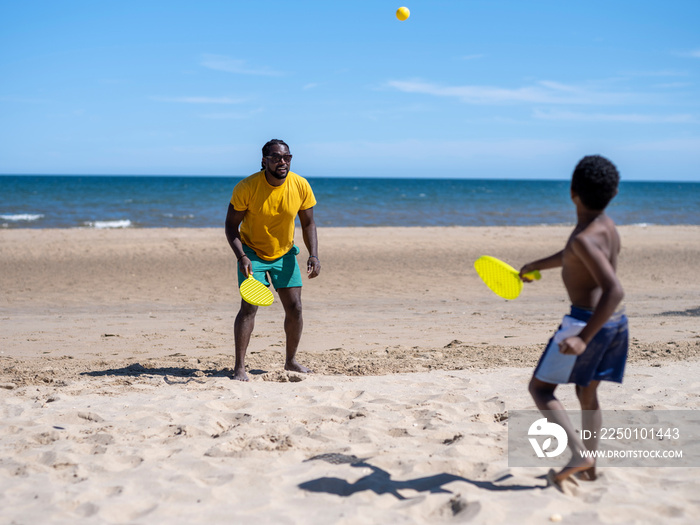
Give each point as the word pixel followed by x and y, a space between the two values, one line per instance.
pixel 245 266
pixel 313 267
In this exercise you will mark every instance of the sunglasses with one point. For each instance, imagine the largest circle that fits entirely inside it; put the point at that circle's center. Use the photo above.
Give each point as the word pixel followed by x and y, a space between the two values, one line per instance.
pixel 279 158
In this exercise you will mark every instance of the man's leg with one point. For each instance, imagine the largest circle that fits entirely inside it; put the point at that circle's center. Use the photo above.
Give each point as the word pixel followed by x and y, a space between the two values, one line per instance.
pixel 242 329
pixel 293 325
pixel 592 420
pixel 543 395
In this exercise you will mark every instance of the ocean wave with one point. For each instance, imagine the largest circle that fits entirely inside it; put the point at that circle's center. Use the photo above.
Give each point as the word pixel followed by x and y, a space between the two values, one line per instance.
pixel 173 216
pixel 22 217
pixel 100 225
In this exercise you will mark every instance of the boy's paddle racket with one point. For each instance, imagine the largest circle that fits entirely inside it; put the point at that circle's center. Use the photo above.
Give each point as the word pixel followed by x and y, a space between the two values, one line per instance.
pixel 500 277
pixel 255 292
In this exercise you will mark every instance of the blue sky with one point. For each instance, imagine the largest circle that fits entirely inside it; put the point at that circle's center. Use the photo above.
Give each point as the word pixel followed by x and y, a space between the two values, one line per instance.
pixel 468 89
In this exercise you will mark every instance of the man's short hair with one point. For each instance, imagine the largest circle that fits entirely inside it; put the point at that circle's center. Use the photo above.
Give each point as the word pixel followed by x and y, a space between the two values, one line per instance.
pixel 268 146
pixel 595 181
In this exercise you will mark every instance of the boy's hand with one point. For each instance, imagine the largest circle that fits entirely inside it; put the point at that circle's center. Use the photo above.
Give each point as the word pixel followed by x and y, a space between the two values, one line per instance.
pixel 524 270
pixel 572 346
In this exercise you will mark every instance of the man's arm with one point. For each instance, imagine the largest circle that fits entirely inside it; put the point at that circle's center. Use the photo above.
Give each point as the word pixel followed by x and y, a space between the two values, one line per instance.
pixel 234 219
pixel 308 229
pixel 602 271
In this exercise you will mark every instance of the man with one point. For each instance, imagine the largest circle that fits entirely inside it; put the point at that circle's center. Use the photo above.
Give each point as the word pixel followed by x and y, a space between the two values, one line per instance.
pixel 260 230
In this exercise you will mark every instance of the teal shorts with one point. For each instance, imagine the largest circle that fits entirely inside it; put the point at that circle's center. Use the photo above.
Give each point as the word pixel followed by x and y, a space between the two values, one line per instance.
pixel 283 272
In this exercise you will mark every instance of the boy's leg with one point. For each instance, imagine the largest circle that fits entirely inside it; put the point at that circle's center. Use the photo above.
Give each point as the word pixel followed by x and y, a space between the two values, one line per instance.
pixel 242 330
pixel 293 325
pixel 543 395
pixel 592 420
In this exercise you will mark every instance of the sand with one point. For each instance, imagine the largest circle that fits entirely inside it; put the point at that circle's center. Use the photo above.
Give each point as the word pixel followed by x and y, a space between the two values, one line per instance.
pixel 116 345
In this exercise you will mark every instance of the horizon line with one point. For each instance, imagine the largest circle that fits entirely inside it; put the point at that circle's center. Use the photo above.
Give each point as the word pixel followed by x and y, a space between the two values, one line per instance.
pixel 340 177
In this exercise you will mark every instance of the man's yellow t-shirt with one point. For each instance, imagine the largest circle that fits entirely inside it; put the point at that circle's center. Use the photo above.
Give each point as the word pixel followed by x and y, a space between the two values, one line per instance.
pixel 268 225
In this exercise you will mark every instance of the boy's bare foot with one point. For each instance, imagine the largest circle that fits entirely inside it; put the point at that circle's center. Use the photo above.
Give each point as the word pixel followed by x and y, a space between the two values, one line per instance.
pixel 575 468
pixel 562 485
pixel 587 475
pixel 293 366
pixel 239 374
pixel 575 465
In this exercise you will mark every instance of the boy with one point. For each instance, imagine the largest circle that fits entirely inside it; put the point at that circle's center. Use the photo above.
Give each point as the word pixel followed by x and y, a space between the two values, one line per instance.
pixel 591 343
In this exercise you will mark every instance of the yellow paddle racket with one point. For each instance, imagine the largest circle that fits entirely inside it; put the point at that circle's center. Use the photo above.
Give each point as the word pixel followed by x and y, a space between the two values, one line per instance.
pixel 255 292
pixel 500 277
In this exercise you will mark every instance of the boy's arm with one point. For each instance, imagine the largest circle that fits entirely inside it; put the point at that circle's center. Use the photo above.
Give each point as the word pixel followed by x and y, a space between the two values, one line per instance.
pixel 601 269
pixel 553 261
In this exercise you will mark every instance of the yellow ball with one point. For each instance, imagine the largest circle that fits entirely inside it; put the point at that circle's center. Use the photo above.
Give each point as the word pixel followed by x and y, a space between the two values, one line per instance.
pixel 402 13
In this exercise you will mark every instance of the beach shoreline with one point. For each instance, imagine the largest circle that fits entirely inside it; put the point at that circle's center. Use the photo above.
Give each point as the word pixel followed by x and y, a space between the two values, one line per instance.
pixel 116 406
pixel 95 292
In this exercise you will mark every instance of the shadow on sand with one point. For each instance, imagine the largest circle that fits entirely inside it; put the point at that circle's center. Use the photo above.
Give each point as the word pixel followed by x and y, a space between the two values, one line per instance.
pixel 170 373
pixel 380 482
pixel 690 312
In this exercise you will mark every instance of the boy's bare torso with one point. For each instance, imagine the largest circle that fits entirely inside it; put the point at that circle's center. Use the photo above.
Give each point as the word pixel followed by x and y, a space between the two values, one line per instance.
pixel 602 246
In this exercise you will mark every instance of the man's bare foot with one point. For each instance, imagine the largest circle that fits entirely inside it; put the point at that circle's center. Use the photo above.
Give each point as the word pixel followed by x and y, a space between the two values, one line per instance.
pixel 240 375
pixel 293 366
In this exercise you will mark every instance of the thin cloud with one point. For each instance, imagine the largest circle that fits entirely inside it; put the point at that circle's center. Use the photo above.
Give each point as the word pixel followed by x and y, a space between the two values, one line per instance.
pixel 673 85
pixel 200 100
pixel 24 100
pixel 631 118
pixel 412 149
pixel 695 53
pixel 558 86
pixel 661 73
pixel 689 145
pixel 545 92
pixel 472 57
pixel 232 115
pixel 232 65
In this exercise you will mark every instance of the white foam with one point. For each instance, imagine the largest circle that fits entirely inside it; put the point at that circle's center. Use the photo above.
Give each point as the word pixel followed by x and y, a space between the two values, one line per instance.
pixel 100 225
pixel 173 216
pixel 22 217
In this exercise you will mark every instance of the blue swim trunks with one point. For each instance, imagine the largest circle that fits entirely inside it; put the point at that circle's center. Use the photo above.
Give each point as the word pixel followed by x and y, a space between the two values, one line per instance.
pixel 603 360
pixel 283 272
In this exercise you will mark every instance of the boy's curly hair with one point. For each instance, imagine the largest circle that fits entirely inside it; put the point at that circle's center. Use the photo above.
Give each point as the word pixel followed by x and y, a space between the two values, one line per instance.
pixel 595 181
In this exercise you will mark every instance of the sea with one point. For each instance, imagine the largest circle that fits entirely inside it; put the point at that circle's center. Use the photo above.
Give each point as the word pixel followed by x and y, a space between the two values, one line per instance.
pixel 78 201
